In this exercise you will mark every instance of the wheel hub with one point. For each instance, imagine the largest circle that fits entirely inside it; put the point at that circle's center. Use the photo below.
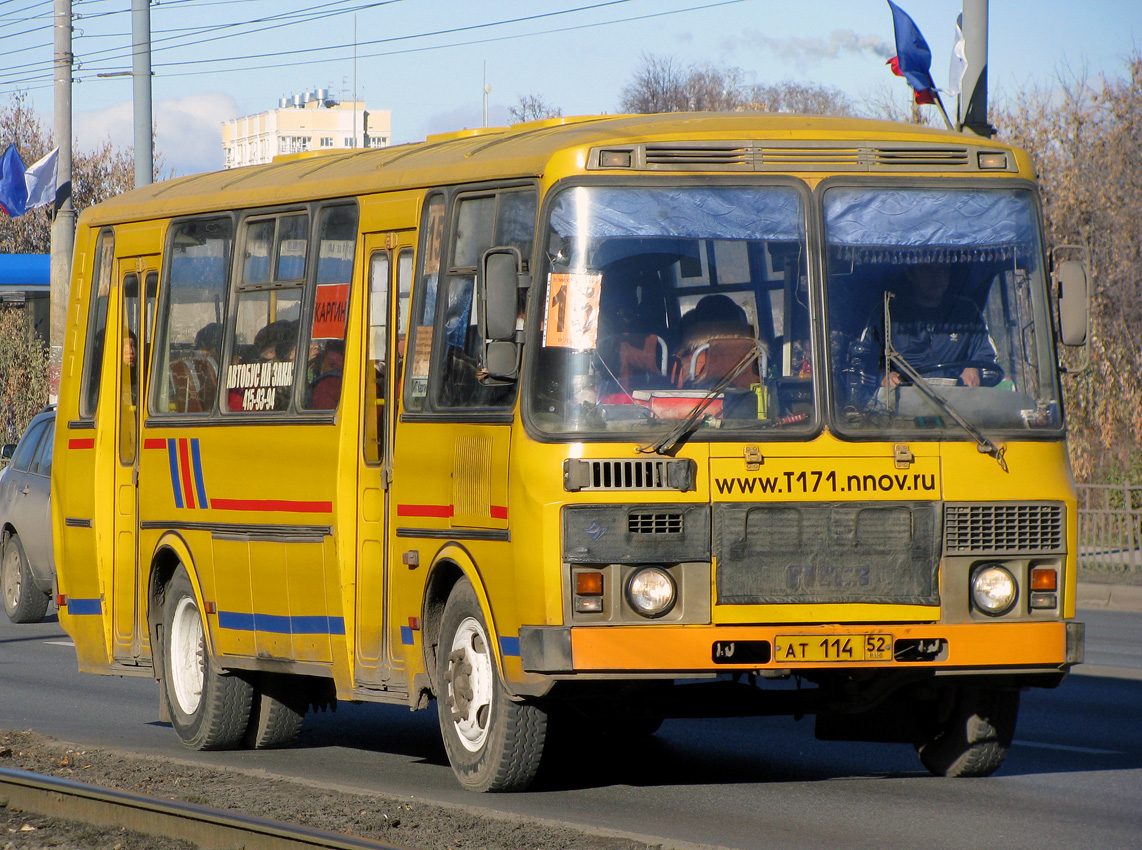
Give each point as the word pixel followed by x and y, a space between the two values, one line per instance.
pixel 470 677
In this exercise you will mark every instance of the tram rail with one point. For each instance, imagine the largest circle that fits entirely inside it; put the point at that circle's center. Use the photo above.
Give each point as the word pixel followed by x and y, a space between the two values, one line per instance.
pixel 205 827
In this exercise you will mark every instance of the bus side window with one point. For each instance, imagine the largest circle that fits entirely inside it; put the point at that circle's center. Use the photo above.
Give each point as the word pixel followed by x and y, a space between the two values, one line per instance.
pixel 421 329
pixel 336 246
pixel 97 323
pixel 189 326
pixel 481 221
pixel 377 346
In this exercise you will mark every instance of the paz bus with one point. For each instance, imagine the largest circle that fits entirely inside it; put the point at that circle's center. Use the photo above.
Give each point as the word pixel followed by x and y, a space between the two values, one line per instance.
pixel 578 424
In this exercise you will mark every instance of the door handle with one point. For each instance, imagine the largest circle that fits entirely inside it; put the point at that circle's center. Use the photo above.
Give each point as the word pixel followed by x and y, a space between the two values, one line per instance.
pixel 25 491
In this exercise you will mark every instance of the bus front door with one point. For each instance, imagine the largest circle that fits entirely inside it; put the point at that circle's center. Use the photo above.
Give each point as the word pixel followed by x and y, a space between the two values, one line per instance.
pixel 389 275
pixel 138 284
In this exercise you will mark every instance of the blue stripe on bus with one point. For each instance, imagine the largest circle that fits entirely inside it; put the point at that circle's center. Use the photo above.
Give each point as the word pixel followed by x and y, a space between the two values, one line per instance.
pixel 406 636
pixel 84 607
pixel 172 453
pixel 196 459
pixel 509 646
pixel 281 625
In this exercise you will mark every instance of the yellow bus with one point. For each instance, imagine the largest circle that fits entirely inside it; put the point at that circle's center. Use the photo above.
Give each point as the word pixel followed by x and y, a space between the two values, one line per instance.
pixel 596 420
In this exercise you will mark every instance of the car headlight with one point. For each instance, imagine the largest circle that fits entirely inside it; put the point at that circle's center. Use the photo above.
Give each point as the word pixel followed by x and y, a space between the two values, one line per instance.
pixel 993 589
pixel 651 591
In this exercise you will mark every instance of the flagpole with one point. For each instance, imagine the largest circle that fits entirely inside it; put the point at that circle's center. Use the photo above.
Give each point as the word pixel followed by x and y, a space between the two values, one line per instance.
pixel 63 222
pixel 944 112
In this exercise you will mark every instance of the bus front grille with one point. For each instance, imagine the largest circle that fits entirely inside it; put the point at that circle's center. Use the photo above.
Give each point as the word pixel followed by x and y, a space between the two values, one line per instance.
pixel 628 474
pixel 1006 528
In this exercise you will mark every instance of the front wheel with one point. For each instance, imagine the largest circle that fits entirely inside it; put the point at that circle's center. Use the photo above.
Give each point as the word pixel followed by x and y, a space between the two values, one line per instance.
pixel 493 742
pixel 23 601
pixel 973 733
pixel 209 708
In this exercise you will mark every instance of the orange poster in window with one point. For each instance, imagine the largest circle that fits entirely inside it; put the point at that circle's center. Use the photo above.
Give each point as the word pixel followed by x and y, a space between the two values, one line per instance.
pixel 330 311
pixel 572 311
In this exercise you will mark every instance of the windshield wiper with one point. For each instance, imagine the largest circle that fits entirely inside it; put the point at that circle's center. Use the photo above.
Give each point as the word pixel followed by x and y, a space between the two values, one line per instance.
pixel 892 357
pixel 672 439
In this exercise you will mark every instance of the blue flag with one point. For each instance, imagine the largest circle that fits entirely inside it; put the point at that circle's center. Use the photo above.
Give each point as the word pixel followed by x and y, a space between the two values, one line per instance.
pixel 913 59
pixel 13 188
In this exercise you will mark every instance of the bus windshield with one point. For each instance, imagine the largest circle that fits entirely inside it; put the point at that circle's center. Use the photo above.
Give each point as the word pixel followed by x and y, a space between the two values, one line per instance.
pixel 937 311
pixel 667 303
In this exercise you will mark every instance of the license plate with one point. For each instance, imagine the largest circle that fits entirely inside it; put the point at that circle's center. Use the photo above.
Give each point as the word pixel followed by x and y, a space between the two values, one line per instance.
pixel 832 648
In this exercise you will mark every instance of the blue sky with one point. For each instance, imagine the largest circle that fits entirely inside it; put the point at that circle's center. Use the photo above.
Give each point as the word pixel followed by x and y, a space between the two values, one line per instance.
pixel 426 60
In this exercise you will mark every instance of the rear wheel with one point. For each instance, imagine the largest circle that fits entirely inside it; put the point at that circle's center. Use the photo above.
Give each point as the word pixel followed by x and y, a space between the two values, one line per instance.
pixel 493 742
pixel 973 733
pixel 23 601
pixel 278 710
pixel 209 708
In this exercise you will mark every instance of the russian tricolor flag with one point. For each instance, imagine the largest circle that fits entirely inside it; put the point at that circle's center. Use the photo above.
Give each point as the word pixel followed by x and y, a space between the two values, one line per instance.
pixel 23 189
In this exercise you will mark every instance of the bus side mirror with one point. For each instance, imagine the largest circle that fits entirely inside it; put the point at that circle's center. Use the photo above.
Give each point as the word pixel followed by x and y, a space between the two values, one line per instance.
pixel 1073 288
pixel 499 283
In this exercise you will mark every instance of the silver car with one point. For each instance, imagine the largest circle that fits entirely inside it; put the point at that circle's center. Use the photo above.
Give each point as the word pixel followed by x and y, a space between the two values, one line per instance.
pixel 27 567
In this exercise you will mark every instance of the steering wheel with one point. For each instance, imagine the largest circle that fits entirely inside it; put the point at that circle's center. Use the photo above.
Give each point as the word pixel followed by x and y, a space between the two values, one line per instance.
pixel 990 372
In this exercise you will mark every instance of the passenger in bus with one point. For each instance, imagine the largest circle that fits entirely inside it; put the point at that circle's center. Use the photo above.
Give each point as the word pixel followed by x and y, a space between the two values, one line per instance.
pixel 130 370
pixel 938 331
pixel 714 337
pixel 327 385
pixel 194 379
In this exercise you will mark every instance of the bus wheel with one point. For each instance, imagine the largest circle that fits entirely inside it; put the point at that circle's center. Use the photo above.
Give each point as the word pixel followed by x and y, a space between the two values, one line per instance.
pixel 278 710
pixel 972 738
pixel 23 601
pixel 493 742
pixel 209 708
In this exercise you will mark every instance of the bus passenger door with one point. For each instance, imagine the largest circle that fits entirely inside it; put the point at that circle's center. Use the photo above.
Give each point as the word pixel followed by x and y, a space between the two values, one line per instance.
pixel 138 284
pixel 389 278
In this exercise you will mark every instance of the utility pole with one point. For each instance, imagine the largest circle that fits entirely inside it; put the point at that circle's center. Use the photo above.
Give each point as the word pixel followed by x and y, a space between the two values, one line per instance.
pixel 63 223
pixel 141 77
pixel 973 93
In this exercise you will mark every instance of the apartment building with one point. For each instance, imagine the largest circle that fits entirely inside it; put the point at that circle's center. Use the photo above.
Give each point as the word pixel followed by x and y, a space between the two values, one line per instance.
pixel 311 121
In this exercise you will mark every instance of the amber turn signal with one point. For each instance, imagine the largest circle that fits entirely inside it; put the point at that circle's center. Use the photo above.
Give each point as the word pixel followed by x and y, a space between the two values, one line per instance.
pixel 589 584
pixel 1044 579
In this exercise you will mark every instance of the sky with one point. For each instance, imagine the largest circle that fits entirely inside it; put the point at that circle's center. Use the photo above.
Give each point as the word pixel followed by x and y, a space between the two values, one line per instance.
pixel 429 61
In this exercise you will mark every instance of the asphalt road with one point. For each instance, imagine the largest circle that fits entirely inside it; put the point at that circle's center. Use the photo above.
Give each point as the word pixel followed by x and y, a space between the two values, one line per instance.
pixel 1073 778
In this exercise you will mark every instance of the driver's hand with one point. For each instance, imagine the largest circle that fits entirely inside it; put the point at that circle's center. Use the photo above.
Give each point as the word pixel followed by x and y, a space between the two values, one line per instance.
pixel 892 379
pixel 970 377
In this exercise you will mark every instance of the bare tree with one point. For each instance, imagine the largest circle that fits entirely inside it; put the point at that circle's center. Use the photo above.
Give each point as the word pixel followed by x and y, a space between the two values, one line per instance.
pixel 532 107
pixel 797 98
pixel 1086 140
pixel 661 85
pixel 23 372
pixel 657 87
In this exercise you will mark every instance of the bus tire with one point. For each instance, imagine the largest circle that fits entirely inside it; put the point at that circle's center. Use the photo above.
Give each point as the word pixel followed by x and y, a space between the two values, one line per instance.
pixel 23 601
pixel 974 736
pixel 277 712
pixel 209 708
pixel 493 742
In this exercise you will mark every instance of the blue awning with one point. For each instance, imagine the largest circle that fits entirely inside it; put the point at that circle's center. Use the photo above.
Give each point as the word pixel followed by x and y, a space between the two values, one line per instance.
pixel 26 271
pixel 929 225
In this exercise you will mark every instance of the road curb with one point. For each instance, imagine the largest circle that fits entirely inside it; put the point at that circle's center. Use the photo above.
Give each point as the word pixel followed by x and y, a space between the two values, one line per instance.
pixel 1113 597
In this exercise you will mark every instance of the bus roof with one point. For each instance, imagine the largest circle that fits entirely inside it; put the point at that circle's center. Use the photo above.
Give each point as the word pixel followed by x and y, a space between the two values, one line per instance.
pixel 525 150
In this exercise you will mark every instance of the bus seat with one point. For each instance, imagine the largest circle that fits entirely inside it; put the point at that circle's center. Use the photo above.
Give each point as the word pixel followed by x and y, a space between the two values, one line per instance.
pixel 635 361
pixel 713 359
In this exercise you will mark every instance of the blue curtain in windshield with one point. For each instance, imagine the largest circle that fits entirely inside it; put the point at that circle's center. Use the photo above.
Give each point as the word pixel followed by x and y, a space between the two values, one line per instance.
pixel 929 225
pixel 692 213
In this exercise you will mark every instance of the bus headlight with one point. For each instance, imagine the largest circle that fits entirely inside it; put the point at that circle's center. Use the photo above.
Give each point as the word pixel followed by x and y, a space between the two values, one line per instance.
pixel 651 591
pixel 993 589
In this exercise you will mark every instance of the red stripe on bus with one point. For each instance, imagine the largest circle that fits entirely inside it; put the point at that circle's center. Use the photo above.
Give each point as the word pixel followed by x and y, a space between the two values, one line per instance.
pixel 152 443
pixel 81 443
pixel 444 511
pixel 187 477
pixel 286 505
pixel 499 512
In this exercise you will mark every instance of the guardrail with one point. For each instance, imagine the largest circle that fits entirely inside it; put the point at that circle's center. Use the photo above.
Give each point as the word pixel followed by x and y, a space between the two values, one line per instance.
pixel 1110 526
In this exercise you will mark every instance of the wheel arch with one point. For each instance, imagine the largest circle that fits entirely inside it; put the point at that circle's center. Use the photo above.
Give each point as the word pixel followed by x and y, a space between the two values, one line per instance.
pixel 451 564
pixel 171 553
